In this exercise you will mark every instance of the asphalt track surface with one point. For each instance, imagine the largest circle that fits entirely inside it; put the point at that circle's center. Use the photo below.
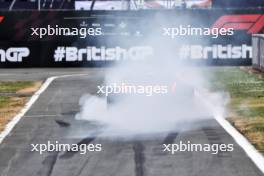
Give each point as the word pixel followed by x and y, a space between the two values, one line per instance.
pixel 120 157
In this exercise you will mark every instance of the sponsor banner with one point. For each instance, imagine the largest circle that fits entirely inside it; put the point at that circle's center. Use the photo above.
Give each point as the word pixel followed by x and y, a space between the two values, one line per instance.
pixel 92 56
pixel 99 38
pixel 216 52
pixel 92 53
pixel 14 54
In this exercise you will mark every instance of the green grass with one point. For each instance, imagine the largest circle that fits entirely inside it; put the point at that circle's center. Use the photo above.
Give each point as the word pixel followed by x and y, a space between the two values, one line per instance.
pixel 239 83
pixel 4 101
pixel 259 128
pixel 14 86
pixel 246 89
pixel 10 106
pixel 251 112
pixel 246 105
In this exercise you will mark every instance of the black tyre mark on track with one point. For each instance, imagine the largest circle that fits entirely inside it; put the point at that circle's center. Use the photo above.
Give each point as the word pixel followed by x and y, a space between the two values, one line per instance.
pixel 170 138
pixel 139 158
pixel 214 138
pixel 215 161
pixel 62 123
pixel 83 166
pixel 49 163
pixel 69 113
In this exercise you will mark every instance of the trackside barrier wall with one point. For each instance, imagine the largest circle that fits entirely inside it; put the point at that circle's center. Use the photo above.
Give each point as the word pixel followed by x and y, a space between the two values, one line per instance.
pixel 116 36
pixel 258 51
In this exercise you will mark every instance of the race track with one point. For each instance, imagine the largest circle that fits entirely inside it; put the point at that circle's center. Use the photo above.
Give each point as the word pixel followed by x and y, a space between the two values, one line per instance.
pixel 52 118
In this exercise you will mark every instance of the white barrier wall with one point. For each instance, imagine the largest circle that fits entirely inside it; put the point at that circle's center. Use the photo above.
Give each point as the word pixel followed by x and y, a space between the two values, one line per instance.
pixel 258 51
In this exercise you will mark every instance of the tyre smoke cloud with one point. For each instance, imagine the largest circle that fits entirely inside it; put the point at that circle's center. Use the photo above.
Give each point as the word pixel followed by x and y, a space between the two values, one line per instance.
pixel 181 109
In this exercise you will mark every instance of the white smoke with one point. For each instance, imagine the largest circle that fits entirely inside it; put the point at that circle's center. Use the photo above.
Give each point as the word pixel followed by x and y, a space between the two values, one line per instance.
pixel 137 114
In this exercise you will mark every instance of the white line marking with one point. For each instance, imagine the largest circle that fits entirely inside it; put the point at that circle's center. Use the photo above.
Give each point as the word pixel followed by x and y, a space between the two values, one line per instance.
pixel 250 150
pixel 28 105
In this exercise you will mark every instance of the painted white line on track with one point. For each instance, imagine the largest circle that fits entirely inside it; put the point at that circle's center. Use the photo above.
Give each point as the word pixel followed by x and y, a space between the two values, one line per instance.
pixel 28 105
pixel 250 150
